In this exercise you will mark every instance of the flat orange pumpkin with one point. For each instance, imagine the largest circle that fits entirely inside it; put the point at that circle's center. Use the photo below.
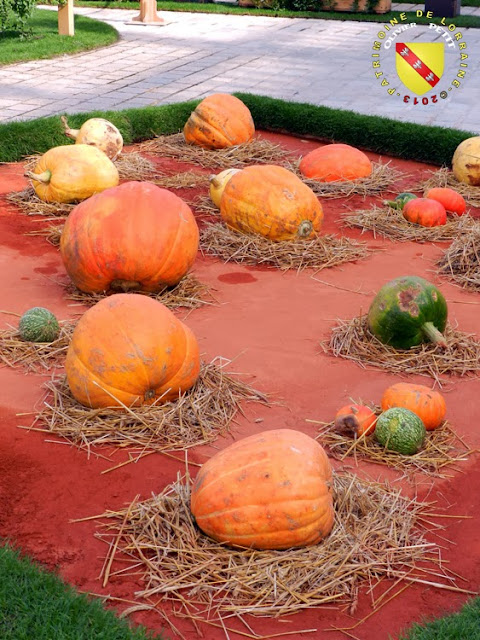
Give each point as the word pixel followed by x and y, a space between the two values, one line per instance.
pixel 427 404
pixel 336 162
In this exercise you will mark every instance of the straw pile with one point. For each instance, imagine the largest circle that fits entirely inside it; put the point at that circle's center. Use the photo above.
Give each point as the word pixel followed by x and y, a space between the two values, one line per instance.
pixel 52 233
pixel 320 253
pixel 29 203
pixel 445 178
pixel 133 166
pixel 442 447
pixel 197 417
pixel 35 356
pixel 378 534
pixel 257 151
pixel 189 293
pixel 461 261
pixel 352 339
pixel 390 223
pixel 183 180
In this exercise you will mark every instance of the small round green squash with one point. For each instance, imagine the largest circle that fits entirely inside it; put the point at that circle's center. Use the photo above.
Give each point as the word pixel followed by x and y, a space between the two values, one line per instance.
pixel 400 430
pixel 38 325
pixel 408 311
pixel 400 201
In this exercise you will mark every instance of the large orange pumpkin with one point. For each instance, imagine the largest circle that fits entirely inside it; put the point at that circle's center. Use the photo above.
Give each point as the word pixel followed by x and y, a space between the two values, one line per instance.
pixel 271 201
pixel 72 172
pixel 130 349
pixel 136 236
pixel 219 121
pixel 427 404
pixel 271 490
pixel 334 162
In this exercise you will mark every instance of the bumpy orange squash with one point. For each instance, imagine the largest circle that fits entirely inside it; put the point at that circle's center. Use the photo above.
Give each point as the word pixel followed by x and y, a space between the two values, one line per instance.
pixel 130 349
pixel 271 490
pixel 99 132
pixel 425 211
pixel 72 172
pixel 272 202
pixel 427 404
pixel 334 162
pixel 134 237
pixel 219 121
pixel 355 420
pixel 451 199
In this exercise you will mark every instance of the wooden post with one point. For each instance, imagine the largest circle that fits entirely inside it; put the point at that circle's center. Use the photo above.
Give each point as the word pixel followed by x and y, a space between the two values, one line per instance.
pixel 65 19
pixel 148 13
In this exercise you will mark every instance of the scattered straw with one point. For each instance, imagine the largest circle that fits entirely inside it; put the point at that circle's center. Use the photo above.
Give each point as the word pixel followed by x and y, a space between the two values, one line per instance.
pixel 351 339
pixel 390 223
pixel 52 233
pixel 257 151
pixel 461 261
pixel 189 292
pixel 197 417
pixel 35 356
pixel 29 203
pixel 185 180
pixel 133 166
pixel 378 533
pixel 445 178
pixel 320 253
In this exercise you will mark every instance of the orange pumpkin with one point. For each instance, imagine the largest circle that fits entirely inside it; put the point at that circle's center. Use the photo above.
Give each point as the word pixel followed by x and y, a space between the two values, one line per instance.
pixel 136 236
pixel 72 172
pixel 130 349
pixel 272 202
pixel 425 212
pixel 355 420
pixel 271 490
pixel 334 162
pixel 429 405
pixel 449 198
pixel 219 121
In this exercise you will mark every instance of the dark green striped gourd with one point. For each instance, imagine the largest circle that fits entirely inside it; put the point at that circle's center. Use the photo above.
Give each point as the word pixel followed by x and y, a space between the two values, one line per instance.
pixel 38 325
pixel 408 311
pixel 400 430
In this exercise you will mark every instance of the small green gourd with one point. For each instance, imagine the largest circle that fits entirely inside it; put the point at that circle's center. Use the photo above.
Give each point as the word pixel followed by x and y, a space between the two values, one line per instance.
pixel 400 430
pixel 38 325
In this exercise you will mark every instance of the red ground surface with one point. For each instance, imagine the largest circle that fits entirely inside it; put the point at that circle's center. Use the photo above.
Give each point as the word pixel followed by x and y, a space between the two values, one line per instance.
pixel 270 324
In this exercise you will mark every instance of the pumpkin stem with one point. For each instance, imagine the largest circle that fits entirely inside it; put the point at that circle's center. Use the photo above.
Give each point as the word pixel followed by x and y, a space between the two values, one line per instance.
pixel 305 228
pixel 393 204
pixel 125 285
pixel 71 133
pixel 214 181
pixel 434 335
pixel 44 177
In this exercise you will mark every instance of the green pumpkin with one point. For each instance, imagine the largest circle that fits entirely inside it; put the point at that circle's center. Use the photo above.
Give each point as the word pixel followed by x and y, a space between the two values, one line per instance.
pixel 38 325
pixel 400 201
pixel 400 430
pixel 408 311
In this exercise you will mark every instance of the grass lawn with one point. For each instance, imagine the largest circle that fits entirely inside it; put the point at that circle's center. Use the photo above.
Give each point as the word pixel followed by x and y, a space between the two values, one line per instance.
pixel 46 43
pixel 464 625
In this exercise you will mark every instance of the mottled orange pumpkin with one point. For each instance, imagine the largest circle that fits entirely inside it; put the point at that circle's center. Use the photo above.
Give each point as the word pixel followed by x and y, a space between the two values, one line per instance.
pixel 429 405
pixel 425 212
pixel 134 237
pixel 355 420
pixel 271 490
pixel 219 121
pixel 271 201
pixel 334 162
pixel 451 199
pixel 72 172
pixel 130 349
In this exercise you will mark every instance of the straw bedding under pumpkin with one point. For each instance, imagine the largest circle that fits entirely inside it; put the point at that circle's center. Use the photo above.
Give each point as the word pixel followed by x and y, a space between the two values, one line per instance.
pixel 352 339
pixel 29 203
pixel 182 180
pixel 378 533
pixel 257 151
pixel 445 178
pixel 390 223
pixel 320 253
pixel 461 261
pixel 197 417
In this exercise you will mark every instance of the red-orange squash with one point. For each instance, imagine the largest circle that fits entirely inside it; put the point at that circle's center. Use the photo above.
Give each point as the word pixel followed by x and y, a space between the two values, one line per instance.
pixel 355 420
pixel 334 162
pixel 425 212
pixel 449 198
pixel 134 237
pixel 271 490
pixel 219 121
pixel 130 349
pixel 271 201
pixel 427 404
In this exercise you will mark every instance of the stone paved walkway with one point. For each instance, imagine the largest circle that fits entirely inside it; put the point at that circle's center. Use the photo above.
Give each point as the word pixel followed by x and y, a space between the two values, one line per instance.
pixel 317 61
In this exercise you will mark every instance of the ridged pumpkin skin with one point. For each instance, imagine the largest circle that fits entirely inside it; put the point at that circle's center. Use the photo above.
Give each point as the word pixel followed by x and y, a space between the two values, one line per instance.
pixel 425 212
pixel 335 162
pixel 355 420
pixel 136 236
pixel 449 198
pixel 271 490
pixel 219 121
pixel 272 202
pixel 408 311
pixel 427 404
pixel 400 430
pixel 99 132
pixel 38 325
pixel 133 348
pixel 466 161
pixel 73 172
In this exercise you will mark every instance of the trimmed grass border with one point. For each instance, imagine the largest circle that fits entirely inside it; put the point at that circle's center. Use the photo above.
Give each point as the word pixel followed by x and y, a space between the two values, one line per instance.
pixel 457 626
